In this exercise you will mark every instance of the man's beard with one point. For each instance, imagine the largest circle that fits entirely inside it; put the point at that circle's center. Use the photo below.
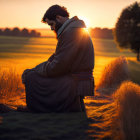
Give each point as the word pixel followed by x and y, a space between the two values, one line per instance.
pixel 57 26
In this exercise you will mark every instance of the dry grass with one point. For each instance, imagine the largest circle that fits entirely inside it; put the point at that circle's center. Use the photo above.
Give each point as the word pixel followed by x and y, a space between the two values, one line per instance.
pixel 116 119
pixel 127 100
pixel 113 75
pixel 121 118
pixel 10 84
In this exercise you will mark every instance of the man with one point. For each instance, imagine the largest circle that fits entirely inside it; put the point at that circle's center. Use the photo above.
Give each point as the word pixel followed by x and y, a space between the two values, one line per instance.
pixel 60 83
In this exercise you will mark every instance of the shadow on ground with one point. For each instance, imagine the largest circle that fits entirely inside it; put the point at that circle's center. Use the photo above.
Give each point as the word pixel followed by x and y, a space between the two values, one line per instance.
pixel 52 126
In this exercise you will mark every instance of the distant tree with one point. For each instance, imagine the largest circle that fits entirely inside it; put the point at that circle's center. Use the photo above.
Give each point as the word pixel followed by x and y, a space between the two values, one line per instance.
pixel 1 32
pixel 38 34
pixel 107 33
pixel 15 32
pixel 101 33
pixel 127 29
pixel 96 32
pixel 33 33
pixel 7 32
pixel 25 32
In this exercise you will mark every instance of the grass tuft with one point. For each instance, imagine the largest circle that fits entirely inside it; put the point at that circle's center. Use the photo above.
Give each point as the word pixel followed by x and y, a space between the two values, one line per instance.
pixel 10 84
pixel 127 101
pixel 113 75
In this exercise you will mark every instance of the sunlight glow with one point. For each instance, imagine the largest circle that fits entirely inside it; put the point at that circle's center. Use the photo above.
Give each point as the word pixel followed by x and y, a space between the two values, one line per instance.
pixel 86 30
pixel 85 20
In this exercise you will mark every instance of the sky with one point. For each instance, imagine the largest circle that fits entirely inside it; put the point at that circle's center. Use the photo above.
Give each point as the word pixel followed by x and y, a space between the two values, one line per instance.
pixel 28 13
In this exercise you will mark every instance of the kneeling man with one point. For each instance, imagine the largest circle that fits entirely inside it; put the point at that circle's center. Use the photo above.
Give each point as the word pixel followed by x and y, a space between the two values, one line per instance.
pixel 60 83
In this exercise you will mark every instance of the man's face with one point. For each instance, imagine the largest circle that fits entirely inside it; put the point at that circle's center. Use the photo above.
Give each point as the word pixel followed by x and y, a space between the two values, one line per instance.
pixel 54 24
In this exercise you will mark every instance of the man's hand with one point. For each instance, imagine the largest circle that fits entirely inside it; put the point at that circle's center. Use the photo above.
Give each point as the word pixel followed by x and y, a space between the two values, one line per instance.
pixel 24 74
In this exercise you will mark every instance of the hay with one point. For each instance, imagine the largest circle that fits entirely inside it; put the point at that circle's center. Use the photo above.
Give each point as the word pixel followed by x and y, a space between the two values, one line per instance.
pixel 127 101
pixel 113 75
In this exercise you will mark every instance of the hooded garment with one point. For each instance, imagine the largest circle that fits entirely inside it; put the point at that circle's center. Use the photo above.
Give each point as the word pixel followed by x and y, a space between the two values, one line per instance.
pixel 58 84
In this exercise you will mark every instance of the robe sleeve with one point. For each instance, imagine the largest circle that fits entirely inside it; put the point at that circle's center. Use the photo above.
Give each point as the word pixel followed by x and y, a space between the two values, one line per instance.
pixel 64 56
pixel 41 68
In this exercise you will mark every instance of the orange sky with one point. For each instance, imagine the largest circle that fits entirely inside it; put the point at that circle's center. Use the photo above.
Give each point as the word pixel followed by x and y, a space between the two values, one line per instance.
pixel 28 13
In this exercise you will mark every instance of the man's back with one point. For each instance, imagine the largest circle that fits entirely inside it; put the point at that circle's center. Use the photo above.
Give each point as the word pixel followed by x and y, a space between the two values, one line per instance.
pixel 60 83
pixel 74 51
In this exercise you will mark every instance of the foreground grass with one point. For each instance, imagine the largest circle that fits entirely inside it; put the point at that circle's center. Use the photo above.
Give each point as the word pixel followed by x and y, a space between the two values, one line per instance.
pixel 51 126
pixel 10 83
pixel 127 103
pixel 101 112
pixel 113 75
pixel 107 117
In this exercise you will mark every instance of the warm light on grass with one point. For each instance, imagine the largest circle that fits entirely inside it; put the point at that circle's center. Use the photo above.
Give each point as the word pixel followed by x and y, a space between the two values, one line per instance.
pixel 127 99
pixel 112 76
pixel 120 119
pixel 10 85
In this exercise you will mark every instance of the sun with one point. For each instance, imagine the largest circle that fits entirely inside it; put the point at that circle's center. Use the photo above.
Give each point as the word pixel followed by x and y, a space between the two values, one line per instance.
pixel 85 20
pixel 87 29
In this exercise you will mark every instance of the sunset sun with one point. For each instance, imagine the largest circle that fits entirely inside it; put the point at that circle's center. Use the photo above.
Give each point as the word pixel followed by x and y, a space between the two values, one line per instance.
pixel 86 21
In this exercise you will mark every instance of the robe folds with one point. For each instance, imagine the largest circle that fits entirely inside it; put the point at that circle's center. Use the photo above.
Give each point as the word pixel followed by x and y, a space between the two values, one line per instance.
pixel 60 83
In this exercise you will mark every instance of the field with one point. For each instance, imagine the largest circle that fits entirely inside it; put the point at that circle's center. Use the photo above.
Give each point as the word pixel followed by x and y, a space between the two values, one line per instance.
pixel 22 53
pixel 17 54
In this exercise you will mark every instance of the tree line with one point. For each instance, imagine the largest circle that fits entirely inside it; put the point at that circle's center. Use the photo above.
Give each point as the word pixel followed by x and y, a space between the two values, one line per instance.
pixel 95 32
pixel 17 32
pixel 104 33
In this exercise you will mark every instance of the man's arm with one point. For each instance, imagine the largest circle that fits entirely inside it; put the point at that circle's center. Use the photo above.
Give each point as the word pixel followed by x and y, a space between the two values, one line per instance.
pixel 63 58
pixel 41 68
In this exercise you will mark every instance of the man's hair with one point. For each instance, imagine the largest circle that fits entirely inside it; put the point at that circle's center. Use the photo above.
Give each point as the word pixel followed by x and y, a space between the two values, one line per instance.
pixel 55 10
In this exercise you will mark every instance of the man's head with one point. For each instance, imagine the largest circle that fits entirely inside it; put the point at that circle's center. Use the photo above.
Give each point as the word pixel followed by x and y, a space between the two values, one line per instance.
pixel 55 16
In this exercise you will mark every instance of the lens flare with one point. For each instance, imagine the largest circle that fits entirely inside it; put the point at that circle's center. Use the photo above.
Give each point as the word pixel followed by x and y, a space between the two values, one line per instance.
pixel 85 20
pixel 86 30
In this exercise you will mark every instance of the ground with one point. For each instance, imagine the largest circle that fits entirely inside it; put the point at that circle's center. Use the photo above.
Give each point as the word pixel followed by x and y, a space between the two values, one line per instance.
pixel 21 53
pixel 55 126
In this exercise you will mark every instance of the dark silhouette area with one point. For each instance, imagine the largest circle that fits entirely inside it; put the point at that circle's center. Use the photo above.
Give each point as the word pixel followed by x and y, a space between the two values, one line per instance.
pixel 61 83
pixel 17 32
pixel 104 33
pixel 127 29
